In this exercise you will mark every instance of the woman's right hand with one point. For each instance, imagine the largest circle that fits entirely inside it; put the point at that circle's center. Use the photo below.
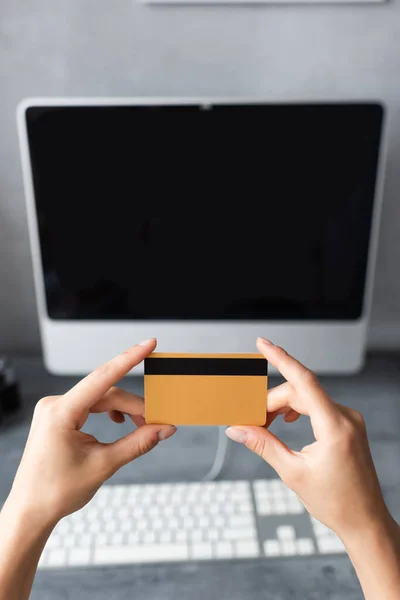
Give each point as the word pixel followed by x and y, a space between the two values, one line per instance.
pixel 334 477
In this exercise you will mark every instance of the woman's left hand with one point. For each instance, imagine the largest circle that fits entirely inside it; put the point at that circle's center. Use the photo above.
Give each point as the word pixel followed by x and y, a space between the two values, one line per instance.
pixel 62 467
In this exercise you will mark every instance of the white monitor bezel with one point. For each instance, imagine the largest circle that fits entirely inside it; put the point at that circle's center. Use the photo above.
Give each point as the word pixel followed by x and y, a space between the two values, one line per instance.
pixel 76 347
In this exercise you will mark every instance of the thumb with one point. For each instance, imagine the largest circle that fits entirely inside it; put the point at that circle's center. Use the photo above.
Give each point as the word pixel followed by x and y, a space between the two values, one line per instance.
pixel 135 444
pixel 269 447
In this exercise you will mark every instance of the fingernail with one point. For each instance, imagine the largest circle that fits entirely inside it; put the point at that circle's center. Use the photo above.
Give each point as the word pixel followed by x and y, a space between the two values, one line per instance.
pixel 166 433
pixel 265 341
pixel 145 342
pixel 237 435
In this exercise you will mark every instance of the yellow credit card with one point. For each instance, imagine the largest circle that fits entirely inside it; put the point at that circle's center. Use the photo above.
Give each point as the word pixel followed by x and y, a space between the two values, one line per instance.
pixel 205 389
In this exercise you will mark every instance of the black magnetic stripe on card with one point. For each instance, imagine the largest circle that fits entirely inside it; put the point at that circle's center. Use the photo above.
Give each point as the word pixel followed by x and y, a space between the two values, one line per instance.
pixel 206 366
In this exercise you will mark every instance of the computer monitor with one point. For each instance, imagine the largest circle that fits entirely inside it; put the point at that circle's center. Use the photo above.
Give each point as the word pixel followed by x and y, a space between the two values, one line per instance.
pixel 205 223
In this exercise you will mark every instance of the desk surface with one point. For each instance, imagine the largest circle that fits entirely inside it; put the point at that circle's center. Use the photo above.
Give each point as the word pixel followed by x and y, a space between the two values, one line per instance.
pixel 188 456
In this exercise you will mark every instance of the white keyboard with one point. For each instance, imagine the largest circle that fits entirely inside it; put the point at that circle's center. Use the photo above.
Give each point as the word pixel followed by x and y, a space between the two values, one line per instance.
pixel 149 523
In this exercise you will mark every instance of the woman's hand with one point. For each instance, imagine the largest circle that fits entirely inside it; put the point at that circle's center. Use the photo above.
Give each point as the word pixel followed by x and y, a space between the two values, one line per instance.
pixel 62 467
pixel 334 477
pixel 332 470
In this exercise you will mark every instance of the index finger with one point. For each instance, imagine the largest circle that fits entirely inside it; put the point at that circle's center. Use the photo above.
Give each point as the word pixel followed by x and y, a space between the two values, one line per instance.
pixel 92 388
pixel 311 398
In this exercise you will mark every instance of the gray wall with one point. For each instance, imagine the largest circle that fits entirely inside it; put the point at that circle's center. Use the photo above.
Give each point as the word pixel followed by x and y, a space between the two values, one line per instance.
pixel 118 47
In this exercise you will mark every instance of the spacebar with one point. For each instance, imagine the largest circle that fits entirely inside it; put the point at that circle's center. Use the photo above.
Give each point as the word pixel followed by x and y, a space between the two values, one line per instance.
pixel 113 555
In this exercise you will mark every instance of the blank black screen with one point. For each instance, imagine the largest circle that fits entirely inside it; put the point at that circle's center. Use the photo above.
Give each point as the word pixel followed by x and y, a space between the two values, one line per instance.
pixel 189 212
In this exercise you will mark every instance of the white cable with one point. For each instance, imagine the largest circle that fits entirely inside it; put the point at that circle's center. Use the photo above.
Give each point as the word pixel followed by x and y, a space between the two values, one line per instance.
pixel 220 455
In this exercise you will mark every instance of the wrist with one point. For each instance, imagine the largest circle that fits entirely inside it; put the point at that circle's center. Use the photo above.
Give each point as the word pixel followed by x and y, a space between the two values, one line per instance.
pixel 375 530
pixel 19 515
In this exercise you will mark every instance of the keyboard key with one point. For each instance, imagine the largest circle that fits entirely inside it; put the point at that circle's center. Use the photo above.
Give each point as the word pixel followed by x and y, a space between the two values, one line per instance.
pixel 154 511
pixel 201 550
pixel 102 539
pixel 247 549
pixel 219 521
pixel 116 538
pixel 259 485
pixel 79 556
pixel 118 491
pixel 295 507
pixel 272 548
pixel 133 538
pixel 176 499
pixel 188 522
pixel 183 510
pixel 95 527
pixel 84 541
pixel 170 511
pixel 172 523
pixel 223 550
pixel 56 558
pixel 212 535
pixel 243 533
pixel 246 508
pixel 165 536
pixel 156 524
pixel 147 500
pixel 242 485
pixel 110 527
pixel 264 510
pixel 288 547
pixel 204 522
pixel 125 525
pixel 320 528
pixel 138 512
pixel 305 546
pixel 92 514
pixel 279 509
pixel 54 541
pixel 149 537
pixel 181 536
pixel 328 545
pixel 63 526
pixel 226 485
pixel 69 541
pixel 196 535
pixel 286 532
pixel 276 485
pixel 241 521
pixel 124 513
pixel 108 513
pixel 111 555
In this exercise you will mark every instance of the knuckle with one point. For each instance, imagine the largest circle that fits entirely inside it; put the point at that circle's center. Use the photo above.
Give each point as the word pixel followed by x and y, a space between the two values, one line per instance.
pixel 102 371
pixel 147 444
pixel 359 419
pixel 309 377
pixel 43 404
pixel 113 391
pixel 282 351
pixel 349 432
pixel 257 446
pixel 103 465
